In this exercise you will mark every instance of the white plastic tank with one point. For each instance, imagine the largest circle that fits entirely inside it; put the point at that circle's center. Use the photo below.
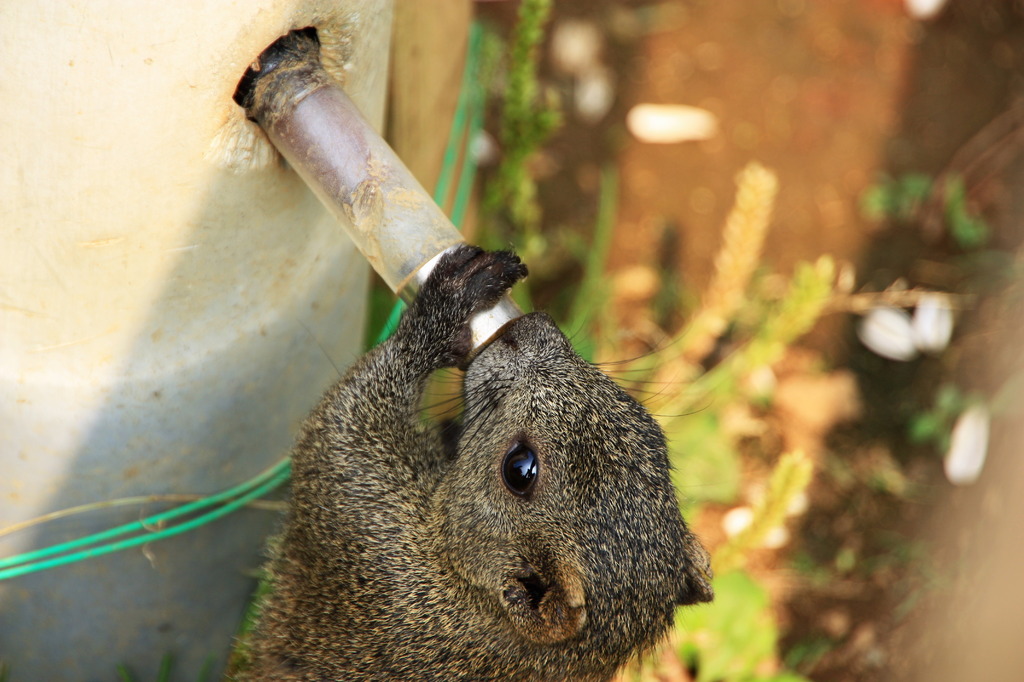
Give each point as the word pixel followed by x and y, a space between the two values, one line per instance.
pixel 173 300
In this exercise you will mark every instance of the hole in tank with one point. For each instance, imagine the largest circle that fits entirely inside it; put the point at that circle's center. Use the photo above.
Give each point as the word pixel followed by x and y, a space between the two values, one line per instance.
pixel 267 60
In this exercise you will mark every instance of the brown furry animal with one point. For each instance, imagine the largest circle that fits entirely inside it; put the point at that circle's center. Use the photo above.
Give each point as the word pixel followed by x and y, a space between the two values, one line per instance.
pixel 545 544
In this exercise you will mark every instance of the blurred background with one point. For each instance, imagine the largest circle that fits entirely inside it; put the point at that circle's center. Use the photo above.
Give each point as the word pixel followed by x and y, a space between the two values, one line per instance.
pixel 793 229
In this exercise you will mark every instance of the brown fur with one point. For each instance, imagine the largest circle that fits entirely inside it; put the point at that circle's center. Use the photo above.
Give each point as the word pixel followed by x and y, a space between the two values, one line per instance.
pixel 404 561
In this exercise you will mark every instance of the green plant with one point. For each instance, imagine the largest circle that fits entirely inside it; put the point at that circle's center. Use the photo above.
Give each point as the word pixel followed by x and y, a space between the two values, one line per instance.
pixel 896 198
pixel 780 323
pixel 240 658
pixel 706 464
pixel 933 425
pixel 789 479
pixel 742 242
pixel 164 672
pixel 733 638
pixel 806 652
pixel 527 120
pixel 968 229
pixel 592 293
pixel 902 199
pixel 692 401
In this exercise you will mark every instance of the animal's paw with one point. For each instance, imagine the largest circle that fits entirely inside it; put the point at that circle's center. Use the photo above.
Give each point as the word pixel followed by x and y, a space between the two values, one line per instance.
pixel 465 280
pixel 471 279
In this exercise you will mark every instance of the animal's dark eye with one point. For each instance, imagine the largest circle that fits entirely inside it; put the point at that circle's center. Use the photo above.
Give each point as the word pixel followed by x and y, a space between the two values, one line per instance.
pixel 519 469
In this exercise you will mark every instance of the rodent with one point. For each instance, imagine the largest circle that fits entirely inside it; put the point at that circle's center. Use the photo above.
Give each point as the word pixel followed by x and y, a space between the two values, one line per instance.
pixel 544 543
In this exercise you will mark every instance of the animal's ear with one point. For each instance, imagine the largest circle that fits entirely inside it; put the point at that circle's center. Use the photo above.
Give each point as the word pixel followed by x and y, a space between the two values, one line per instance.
pixel 545 606
pixel 696 587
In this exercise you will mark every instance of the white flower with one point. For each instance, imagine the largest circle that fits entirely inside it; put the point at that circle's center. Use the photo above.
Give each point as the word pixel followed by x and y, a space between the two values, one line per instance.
pixel 892 333
pixel 594 94
pixel 968 446
pixel 737 520
pixel 484 149
pixel 924 9
pixel 798 505
pixel 576 46
pixel 933 323
pixel 669 123
pixel 888 332
pixel 776 538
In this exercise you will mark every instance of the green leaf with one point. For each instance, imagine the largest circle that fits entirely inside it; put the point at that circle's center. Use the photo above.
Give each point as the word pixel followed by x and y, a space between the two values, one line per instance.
pixel 810 290
pixel 968 230
pixel 924 427
pixel 808 651
pixel 733 636
pixel 845 560
pixel 706 466
pixel 896 199
pixel 592 290
pixel 164 674
pixel 949 400
pixel 789 479
pixel 527 121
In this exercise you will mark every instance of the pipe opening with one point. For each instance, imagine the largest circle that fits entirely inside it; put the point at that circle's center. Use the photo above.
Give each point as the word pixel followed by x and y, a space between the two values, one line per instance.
pixel 270 59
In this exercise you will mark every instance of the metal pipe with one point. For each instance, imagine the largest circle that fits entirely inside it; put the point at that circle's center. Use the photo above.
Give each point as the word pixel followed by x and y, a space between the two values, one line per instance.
pixel 316 127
